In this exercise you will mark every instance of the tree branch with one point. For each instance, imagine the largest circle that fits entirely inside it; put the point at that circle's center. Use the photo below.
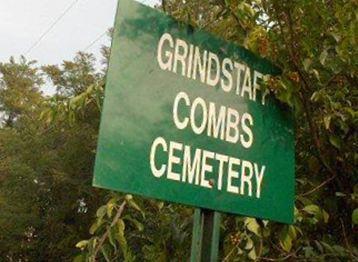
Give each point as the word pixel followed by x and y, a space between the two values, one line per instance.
pixel 105 236
pixel 305 83
pixel 318 187
pixel 345 239
pixel 164 5
pixel 232 13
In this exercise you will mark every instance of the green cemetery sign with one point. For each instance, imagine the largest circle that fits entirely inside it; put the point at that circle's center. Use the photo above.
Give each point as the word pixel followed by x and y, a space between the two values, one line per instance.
pixel 185 120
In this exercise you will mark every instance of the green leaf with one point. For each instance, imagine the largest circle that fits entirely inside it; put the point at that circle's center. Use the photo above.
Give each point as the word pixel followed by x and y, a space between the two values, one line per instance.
pixel 252 254
pixel 120 236
pixel 121 226
pixel 307 63
pixel 340 194
pixel 252 225
pixel 323 57
pixel 134 205
pixel 316 74
pixel 315 96
pixel 123 242
pixel 317 212
pixel 327 121
pixel 285 239
pixel 335 141
pixel 105 254
pixel 82 244
pixel 160 205
pixel 110 207
pixel 79 258
pixel 339 250
pixel 128 197
pixel 355 217
pixel 319 246
pixel 325 216
pixel 246 9
pixel 336 36
pixel 327 247
pixel 136 223
pixel 95 226
pixel 312 209
pixel 111 237
pixel 101 211
pixel 249 244
pixel 292 232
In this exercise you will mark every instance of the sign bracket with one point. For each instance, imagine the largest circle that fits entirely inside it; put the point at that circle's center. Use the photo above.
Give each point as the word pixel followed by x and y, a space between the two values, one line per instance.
pixel 206 235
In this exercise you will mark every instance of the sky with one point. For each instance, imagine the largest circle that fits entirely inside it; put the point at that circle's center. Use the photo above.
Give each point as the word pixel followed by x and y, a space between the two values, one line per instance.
pixel 22 22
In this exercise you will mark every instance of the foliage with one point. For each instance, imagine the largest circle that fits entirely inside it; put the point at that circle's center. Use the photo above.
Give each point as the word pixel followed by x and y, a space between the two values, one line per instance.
pixel 154 233
pixel 73 77
pixel 47 148
pixel 137 230
pixel 315 45
pixel 46 199
pixel 19 89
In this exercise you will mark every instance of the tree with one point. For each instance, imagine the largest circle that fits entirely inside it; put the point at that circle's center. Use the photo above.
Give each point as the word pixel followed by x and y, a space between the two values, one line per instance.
pixel 314 44
pixel 46 198
pixel 19 89
pixel 75 76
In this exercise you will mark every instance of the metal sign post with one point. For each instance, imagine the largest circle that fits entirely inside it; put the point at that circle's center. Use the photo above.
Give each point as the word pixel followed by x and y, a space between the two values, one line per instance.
pixel 206 235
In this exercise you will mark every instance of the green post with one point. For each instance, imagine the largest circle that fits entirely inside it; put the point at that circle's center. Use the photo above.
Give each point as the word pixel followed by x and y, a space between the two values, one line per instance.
pixel 206 234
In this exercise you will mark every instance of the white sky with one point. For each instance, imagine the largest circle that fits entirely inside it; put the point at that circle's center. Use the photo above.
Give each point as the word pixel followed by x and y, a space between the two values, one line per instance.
pixel 23 21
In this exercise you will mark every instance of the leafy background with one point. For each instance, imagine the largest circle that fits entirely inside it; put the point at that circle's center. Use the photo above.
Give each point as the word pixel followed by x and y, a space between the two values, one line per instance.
pixel 50 212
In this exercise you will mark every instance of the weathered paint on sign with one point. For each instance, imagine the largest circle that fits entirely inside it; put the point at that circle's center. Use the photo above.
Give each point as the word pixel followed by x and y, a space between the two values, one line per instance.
pixel 185 120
